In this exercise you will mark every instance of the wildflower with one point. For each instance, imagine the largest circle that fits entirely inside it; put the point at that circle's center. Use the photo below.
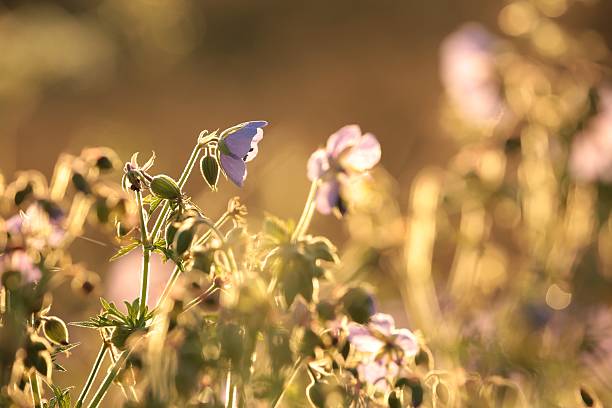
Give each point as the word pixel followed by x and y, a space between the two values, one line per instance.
pixel 237 146
pixel 348 152
pixel 591 151
pixel 136 174
pixel 20 261
pixel 383 347
pixel 467 70
pixel 37 228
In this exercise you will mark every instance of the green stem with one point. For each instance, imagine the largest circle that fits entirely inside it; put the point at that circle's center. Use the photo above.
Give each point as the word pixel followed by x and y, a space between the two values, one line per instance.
pixel 279 397
pixel 35 390
pixel 229 390
pixel 307 213
pixel 164 213
pixel 108 380
pixel 176 272
pixel 146 255
pixel 92 375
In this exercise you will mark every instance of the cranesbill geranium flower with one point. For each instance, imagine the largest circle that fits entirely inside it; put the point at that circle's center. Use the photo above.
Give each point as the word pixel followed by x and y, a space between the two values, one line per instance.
pixel 348 153
pixel 237 146
pixel 384 348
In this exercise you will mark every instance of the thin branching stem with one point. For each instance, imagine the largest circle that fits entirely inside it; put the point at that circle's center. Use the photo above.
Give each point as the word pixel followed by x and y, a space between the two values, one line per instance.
pixel 165 211
pixel 146 255
pixel 92 375
pixel 108 380
pixel 307 213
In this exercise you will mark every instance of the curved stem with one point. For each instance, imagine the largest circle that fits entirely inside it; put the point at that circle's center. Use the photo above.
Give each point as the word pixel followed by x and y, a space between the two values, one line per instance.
pixel 108 380
pixel 307 213
pixel 146 255
pixel 164 213
pixel 92 375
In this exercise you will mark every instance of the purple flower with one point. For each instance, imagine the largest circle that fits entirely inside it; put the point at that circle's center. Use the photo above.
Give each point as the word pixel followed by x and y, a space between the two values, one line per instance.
pixel 237 146
pixel 20 261
pixel 348 153
pixel 591 151
pixel 384 348
pixel 468 72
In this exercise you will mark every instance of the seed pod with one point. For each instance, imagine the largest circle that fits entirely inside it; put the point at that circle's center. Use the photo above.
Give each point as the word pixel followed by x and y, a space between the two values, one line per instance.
pixel 184 238
pixel 55 330
pixel 165 187
pixel 209 167
pixel 80 183
pixel 171 230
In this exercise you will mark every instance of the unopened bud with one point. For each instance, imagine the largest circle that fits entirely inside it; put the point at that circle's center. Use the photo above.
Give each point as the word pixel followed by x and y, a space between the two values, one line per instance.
pixel 165 187
pixel 209 167
pixel 55 330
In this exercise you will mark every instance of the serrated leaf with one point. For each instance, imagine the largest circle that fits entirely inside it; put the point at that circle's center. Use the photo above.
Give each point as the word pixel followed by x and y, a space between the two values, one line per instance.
pixel 321 248
pixel 277 230
pixel 124 250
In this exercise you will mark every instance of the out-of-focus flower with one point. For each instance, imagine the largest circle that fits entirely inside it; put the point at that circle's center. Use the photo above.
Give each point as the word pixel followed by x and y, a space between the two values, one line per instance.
pixel 36 228
pixel 467 70
pixel 20 261
pixel 237 146
pixel 384 348
pixel 348 152
pixel 597 345
pixel 591 152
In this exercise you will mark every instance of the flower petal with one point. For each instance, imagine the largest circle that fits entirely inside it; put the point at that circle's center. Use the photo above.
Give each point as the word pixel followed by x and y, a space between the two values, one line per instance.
pixel 318 164
pixel 254 146
pixel 345 137
pixel 362 339
pixel 364 155
pixel 375 373
pixel 328 197
pixel 238 143
pixel 407 341
pixel 382 323
pixel 234 168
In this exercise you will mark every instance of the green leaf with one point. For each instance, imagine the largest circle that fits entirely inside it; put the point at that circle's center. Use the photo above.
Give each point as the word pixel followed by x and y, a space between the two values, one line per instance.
pixel 124 250
pixel 277 230
pixel 321 248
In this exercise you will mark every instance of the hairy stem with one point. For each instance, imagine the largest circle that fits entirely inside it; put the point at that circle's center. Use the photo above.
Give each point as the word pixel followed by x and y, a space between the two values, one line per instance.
pixel 108 380
pixel 307 213
pixel 230 390
pixel 92 375
pixel 165 211
pixel 146 255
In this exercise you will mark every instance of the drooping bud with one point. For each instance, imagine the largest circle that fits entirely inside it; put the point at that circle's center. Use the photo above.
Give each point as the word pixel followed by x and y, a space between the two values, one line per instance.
pixel 165 187
pixel 171 230
pixel 55 330
pixel 209 167
pixel 80 183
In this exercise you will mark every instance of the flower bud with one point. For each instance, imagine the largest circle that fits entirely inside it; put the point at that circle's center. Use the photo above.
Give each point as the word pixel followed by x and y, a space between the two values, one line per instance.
pixel 209 167
pixel 165 187
pixel 80 183
pixel 171 230
pixel 55 330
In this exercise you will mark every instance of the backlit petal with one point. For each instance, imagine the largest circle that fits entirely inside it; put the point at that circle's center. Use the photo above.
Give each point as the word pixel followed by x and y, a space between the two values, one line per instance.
pixel 345 137
pixel 234 168
pixel 364 155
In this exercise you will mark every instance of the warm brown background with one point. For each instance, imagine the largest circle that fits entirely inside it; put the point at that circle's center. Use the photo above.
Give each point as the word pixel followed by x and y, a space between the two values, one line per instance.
pixel 158 72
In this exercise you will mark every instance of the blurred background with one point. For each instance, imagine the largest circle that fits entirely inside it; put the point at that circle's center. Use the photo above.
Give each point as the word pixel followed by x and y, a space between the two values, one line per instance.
pixel 149 75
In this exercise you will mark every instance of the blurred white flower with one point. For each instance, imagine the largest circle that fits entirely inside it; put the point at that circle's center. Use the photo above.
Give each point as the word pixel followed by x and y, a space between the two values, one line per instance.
pixel 468 72
pixel 591 152
pixel 384 349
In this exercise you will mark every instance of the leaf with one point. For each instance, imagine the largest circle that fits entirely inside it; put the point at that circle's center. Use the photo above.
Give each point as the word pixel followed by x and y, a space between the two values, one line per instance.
pixel 277 230
pixel 153 202
pixel 321 248
pixel 124 250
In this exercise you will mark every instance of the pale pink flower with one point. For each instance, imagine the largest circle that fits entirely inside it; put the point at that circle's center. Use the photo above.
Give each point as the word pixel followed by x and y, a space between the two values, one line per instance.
pixel 384 348
pixel 591 151
pixel 348 153
pixel 468 73
pixel 20 261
